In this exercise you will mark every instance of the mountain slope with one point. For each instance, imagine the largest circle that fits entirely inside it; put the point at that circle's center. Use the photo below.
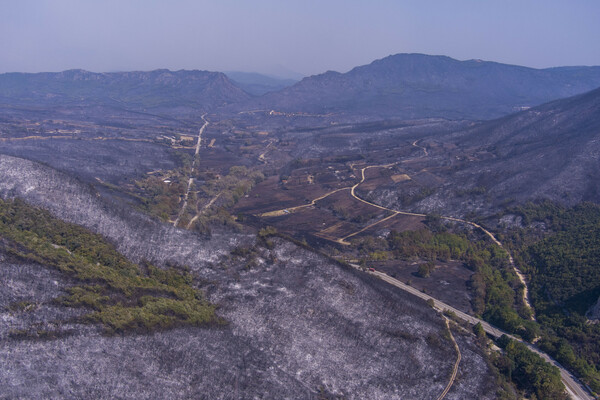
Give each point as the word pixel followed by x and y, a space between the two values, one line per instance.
pixel 548 152
pixel 551 151
pixel 358 338
pixel 419 86
pixel 138 90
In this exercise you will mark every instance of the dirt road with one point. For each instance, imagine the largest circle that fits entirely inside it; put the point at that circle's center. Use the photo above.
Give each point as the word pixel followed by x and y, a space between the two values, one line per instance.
pixel 575 388
pixel 261 157
pixel 198 212
pixel 191 179
pixel 421 147
pixel 456 364
pixel 473 224
pixel 278 213
pixel 199 142
pixel 343 240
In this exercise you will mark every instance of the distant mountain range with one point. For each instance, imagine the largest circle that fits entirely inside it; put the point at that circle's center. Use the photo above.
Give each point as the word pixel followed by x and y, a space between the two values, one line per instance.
pixel 418 86
pixel 258 84
pixel 403 86
pixel 154 89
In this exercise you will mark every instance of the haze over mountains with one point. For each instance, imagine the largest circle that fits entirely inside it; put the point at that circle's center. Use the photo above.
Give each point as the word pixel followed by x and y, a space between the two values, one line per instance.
pixel 256 192
pixel 550 151
pixel 420 86
pixel 404 86
pixel 259 84
pixel 136 90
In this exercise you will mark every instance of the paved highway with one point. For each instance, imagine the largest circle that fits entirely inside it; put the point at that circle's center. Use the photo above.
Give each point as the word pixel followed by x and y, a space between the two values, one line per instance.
pixel 575 389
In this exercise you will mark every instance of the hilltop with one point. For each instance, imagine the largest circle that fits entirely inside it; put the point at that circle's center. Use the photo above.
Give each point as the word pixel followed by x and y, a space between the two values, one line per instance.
pixel 410 86
pixel 137 90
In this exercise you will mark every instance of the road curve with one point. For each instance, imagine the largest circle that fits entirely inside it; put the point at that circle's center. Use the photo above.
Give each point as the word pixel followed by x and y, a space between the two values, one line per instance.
pixel 343 241
pixel 575 388
pixel 421 147
pixel 456 364
pixel 473 224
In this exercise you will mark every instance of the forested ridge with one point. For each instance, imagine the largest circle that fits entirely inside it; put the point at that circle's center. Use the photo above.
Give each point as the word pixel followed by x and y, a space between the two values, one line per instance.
pixel 494 286
pixel 530 372
pixel 559 250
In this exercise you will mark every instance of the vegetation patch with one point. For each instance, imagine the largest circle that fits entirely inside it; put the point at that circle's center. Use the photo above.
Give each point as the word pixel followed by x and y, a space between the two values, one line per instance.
pixel 537 378
pixel 122 295
pixel 229 189
pixel 494 286
pixel 559 250
pixel 211 196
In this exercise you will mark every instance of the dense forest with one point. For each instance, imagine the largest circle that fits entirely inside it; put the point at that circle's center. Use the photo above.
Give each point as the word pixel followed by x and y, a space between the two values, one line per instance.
pixel 495 288
pixel 559 250
pixel 533 375
pixel 496 294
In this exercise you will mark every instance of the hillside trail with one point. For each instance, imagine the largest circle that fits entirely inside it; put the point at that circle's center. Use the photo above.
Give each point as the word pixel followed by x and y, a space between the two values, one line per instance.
pixel 456 364
pixel 191 178
pixel 421 147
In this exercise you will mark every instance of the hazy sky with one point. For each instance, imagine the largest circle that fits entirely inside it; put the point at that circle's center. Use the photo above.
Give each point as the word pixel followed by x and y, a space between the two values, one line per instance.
pixel 307 36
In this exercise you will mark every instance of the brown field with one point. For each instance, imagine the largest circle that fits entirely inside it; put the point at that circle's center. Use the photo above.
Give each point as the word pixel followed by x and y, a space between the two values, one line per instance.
pixel 398 223
pixel 270 195
pixel 333 217
pixel 218 160
pixel 400 177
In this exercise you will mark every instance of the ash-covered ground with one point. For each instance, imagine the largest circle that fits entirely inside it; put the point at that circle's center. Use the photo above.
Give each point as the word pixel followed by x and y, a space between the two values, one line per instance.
pixel 299 325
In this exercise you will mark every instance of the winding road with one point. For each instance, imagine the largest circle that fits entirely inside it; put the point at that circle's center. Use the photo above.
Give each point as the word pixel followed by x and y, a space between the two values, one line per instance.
pixel 421 147
pixel 343 241
pixel 456 364
pixel 575 388
pixel 473 224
